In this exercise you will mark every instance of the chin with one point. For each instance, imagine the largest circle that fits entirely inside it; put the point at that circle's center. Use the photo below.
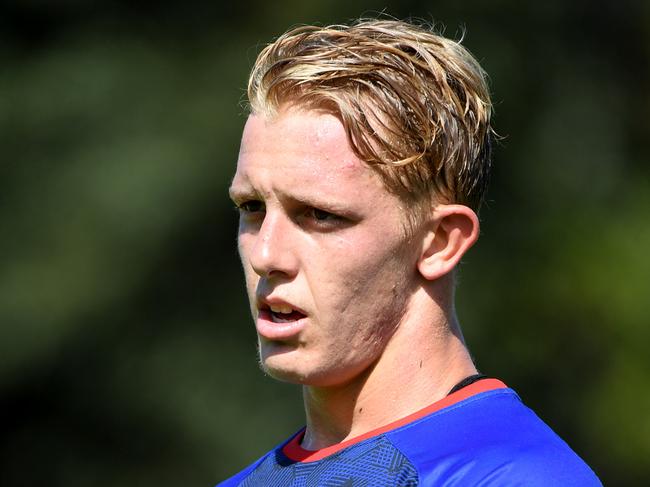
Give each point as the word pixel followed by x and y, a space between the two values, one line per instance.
pixel 287 368
pixel 281 362
pixel 297 372
pixel 295 365
pixel 285 373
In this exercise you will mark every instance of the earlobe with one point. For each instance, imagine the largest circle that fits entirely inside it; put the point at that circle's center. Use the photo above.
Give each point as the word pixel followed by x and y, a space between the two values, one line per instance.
pixel 453 229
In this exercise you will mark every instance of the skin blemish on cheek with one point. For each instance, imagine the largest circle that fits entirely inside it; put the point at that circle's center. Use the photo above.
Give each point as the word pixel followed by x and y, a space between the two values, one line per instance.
pixel 344 242
pixel 349 164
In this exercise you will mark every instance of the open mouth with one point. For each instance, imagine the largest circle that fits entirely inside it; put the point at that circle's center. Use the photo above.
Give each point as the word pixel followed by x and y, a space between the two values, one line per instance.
pixel 279 321
pixel 284 314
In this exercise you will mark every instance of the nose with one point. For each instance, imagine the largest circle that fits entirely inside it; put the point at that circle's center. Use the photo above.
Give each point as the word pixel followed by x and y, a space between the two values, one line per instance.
pixel 272 251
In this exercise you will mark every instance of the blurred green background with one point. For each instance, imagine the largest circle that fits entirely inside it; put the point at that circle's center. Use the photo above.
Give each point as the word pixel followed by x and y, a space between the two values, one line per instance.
pixel 127 356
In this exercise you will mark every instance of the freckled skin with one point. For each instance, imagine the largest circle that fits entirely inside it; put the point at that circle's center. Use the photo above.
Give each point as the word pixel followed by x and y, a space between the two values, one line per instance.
pixel 353 274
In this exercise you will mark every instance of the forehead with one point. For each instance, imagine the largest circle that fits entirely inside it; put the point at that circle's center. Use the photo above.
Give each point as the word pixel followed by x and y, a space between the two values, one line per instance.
pixel 306 146
pixel 296 130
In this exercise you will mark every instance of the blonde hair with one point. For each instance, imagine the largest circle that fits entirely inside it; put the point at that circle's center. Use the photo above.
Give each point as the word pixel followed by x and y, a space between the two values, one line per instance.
pixel 414 104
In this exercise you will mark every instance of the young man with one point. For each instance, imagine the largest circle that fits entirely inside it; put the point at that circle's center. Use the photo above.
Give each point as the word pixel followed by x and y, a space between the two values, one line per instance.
pixel 362 166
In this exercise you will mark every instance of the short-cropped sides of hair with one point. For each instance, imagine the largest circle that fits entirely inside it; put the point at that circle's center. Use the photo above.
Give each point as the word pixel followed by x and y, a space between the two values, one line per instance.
pixel 415 104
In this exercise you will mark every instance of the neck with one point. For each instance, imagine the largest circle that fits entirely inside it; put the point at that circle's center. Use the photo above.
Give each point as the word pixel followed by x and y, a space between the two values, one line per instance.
pixel 421 363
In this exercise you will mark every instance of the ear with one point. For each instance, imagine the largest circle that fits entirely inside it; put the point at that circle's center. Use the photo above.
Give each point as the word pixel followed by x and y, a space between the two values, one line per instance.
pixel 452 230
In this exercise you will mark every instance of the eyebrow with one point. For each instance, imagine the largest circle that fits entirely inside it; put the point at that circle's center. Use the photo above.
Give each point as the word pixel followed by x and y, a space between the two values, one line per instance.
pixel 320 202
pixel 242 192
pixel 238 192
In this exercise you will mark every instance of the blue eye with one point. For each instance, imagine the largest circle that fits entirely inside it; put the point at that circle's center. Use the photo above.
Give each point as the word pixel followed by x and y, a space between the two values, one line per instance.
pixel 252 206
pixel 322 215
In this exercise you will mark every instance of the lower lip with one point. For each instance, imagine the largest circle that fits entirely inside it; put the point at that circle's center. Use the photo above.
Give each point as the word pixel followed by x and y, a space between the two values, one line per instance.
pixel 271 330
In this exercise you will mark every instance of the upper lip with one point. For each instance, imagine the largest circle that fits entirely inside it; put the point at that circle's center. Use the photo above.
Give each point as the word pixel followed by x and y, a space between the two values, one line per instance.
pixel 265 302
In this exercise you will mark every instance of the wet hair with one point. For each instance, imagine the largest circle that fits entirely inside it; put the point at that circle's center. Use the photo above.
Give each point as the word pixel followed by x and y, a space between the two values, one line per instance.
pixel 415 105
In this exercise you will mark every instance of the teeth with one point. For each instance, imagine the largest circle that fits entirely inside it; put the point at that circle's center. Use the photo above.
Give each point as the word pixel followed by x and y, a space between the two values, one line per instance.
pixel 281 308
pixel 278 319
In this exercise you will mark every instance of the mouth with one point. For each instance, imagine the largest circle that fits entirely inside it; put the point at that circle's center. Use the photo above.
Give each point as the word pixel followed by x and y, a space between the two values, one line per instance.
pixel 279 321
pixel 284 314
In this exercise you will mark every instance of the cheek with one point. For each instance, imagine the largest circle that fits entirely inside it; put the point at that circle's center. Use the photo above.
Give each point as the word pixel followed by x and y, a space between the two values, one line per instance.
pixel 242 245
pixel 363 277
pixel 245 242
pixel 379 253
pixel 251 277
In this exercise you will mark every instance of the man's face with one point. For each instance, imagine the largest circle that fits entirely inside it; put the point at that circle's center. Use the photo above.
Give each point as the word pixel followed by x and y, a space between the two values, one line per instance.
pixel 328 267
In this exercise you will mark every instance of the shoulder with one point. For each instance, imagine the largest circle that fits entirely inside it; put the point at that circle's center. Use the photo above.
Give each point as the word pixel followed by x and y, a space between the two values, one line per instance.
pixel 237 479
pixel 490 439
pixel 240 477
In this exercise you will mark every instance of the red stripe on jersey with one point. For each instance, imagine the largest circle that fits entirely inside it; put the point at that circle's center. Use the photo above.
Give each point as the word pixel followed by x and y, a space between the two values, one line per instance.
pixel 297 453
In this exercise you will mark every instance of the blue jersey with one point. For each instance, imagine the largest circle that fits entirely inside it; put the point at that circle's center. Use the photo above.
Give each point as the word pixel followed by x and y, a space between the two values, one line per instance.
pixel 480 435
